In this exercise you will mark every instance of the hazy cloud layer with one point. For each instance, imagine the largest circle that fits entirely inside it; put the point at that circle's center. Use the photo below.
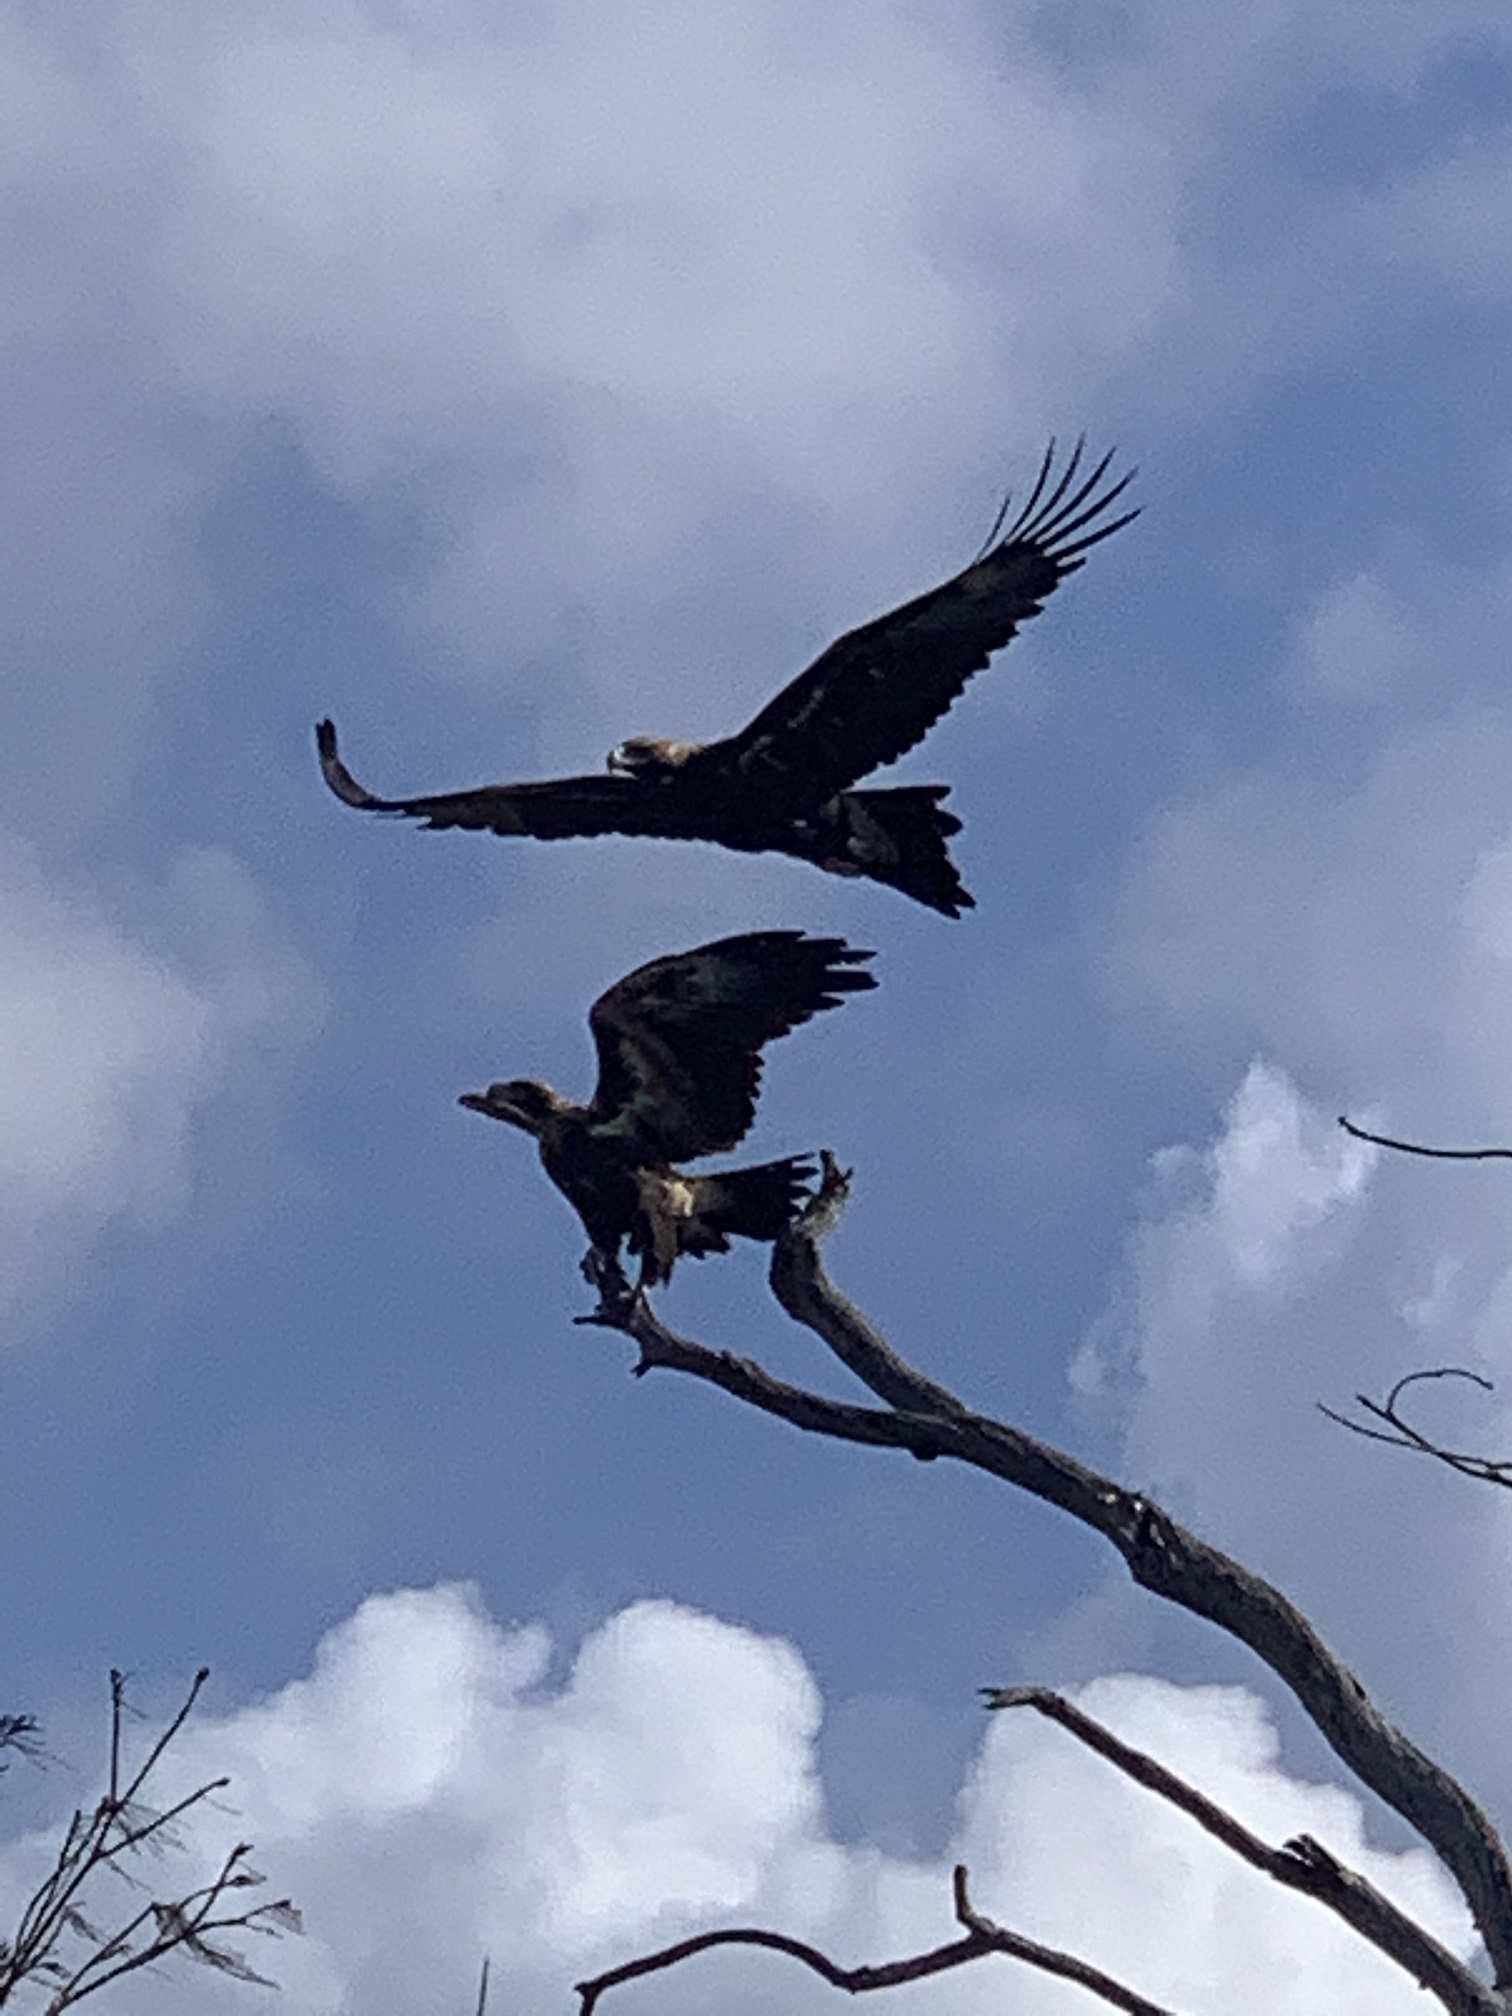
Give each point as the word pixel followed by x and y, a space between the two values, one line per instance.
pixel 112 1041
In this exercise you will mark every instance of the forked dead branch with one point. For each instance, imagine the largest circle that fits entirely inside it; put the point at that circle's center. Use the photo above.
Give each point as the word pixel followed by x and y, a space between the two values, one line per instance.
pixel 1393 1427
pixel 1162 1556
pixel 981 1938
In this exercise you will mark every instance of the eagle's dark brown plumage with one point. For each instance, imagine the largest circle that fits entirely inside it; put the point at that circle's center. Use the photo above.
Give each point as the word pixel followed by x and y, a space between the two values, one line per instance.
pixel 784 781
pixel 679 1049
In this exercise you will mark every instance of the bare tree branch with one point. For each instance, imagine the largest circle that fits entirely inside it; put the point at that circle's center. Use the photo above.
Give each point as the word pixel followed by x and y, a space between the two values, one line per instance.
pixel 1400 1433
pixel 1415 1148
pixel 21 1734
pixel 982 1937
pixel 1161 1555
pixel 122 1824
pixel 1397 1431
pixel 1302 1864
pixel 809 1296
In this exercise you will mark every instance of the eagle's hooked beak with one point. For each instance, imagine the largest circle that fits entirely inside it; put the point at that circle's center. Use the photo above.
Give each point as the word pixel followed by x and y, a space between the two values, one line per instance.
pixel 499 1104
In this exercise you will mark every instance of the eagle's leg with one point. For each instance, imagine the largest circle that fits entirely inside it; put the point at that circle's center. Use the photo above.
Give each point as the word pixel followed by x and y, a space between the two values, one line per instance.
pixel 602 1270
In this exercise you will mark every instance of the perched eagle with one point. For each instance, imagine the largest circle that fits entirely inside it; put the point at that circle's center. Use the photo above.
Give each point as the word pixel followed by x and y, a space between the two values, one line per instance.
pixel 784 781
pixel 679 1050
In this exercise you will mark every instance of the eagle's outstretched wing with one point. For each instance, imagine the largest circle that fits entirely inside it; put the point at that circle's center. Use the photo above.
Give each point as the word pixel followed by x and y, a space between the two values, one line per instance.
pixel 878 690
pixel 559 808
pixel 679 1039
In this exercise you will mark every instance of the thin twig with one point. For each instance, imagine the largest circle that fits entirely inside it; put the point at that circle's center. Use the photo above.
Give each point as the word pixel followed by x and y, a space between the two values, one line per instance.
pixel 23 1734
pixel 1399 1433
pixel 1416 1148
pixel 119 1826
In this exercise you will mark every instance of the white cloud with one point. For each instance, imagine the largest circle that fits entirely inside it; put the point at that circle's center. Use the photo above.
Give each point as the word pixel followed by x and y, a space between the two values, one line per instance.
pixel 1247 1223
pixel 91 1023
pixel 1278 1172
pixel 1358 642
pixel 428 1797
pixel 113 1040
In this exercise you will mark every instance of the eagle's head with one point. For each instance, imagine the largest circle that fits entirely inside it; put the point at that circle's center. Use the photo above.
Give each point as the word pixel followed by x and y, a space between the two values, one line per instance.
pixel 523 1102
pixel 643 755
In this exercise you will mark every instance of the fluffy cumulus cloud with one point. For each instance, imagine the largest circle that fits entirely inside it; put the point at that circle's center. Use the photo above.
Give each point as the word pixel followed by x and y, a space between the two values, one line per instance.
pixel 1249 1222
pixel 430 1793
pixel 112 1039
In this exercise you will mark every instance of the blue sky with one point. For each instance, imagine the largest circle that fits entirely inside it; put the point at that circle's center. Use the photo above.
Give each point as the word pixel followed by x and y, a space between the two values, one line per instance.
pixel 504 382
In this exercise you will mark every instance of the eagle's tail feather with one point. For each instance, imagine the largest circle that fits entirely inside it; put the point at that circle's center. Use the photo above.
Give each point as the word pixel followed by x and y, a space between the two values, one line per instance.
pixel 901 836
pixel 755 1203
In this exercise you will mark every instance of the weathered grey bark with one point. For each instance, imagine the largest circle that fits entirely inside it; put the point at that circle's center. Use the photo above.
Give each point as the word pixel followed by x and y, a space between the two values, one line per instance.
pixel 1302 1864
pixel 1161 1555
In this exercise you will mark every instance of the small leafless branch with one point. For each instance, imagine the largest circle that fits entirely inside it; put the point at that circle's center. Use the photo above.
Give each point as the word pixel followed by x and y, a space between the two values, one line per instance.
pixel 982 1937
pixel 22 1734
pixel 58 1945
pixel 1161 1556
pixel 1399 1433
pixel 1415 1148
pixel 1302 1864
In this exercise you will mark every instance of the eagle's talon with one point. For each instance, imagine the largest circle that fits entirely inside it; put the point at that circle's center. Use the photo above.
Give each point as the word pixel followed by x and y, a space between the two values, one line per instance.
pixel 602 1270
pixel 617 1303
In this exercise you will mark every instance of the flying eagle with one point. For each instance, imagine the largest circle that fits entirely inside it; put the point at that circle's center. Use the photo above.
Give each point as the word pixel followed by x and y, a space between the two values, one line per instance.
pixel 784 781
pixel 679 1050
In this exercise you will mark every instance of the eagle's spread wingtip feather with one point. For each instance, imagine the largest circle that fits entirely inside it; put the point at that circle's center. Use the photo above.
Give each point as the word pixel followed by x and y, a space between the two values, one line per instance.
pixel 1051 522
pixel 1054 510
